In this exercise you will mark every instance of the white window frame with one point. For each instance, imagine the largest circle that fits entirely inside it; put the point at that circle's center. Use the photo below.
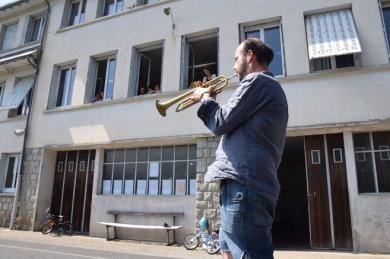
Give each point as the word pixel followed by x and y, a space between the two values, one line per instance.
pixel 333 64
pixel 384 149
pixel 68 86
pixel 341 155
pixel 15 173
pixel 359 151
pixel 385 5
pixel 108 59
pixel 3 37
pixel 40 31
pixel 79 20
pixel 312 157
pixel 2 88
pixel 261 27
pixel 116 7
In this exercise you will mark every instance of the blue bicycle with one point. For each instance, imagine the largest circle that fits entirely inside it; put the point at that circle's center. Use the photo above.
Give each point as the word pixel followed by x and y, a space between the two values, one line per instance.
pixel 210 242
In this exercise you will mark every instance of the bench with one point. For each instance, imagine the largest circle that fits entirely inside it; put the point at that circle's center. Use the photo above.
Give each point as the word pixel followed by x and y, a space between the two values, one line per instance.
pixel 168 229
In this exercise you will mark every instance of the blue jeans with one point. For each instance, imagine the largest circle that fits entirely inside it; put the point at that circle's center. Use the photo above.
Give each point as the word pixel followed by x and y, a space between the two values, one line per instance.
pixel 246 222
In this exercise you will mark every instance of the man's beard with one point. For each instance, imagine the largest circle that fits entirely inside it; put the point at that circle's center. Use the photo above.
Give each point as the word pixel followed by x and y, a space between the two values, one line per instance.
pixel 243 70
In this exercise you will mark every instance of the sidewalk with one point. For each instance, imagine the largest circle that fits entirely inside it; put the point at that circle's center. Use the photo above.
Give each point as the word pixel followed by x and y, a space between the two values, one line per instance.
pixel 155 249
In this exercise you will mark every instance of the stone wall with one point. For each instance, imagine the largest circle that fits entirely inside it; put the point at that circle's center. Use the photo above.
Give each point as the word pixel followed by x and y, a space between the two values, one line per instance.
pixel 28 188
pixel 6 203
pixel 207 195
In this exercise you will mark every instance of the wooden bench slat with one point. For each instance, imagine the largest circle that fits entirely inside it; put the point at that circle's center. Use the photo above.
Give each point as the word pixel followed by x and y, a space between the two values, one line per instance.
pixel 138 226
pixel 143 213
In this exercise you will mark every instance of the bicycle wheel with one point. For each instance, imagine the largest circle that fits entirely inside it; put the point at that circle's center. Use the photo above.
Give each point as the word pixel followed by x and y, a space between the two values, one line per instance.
pixel 213 246
pixel 191 241
pixel 67 228
pixel 46 228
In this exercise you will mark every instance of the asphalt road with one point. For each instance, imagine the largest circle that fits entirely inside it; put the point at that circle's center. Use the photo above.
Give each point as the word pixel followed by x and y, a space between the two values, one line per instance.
pixel 16 249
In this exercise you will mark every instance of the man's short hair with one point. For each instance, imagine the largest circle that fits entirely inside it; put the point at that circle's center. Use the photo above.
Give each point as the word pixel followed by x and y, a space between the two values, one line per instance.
pixel 263 53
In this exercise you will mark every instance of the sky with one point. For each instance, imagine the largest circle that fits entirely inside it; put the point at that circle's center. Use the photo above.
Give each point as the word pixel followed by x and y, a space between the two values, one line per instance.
pixel 4 2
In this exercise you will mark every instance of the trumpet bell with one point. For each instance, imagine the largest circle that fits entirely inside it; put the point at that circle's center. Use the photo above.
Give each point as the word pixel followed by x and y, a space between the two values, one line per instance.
pixel 161 109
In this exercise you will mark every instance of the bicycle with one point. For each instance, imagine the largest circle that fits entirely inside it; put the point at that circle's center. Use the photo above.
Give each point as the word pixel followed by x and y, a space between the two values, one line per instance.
pixel 56 223
pixel 210 242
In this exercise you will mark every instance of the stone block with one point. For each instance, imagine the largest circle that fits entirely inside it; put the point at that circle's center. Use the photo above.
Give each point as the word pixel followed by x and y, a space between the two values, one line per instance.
pixel 208 196
pixel 201 166
pixel 206 152
pixel 201 204
pixel 210 213
pixel 200 177
pixel 199 196
pixel 213 187
pixel 202 187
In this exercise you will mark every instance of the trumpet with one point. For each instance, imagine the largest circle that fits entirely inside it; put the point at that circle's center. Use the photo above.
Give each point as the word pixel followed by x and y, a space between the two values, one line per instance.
pixel 219 83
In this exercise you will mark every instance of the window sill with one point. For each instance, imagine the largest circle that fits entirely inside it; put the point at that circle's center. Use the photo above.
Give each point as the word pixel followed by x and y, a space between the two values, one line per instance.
pixel 330 73
pixel 7 194
pixel 16 118
pixel 132 99
pixel 26 46
pixel 124 12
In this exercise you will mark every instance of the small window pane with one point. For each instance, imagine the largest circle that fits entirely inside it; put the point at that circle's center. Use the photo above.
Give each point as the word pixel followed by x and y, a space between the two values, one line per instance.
pixel 167 178
pixel 107 174
pixel 362 141
pixel 167 153
pixel 181 152
pixel 110 80
pixel 131 155
pixel 315 157
pixel 109 156
pixel 82 166
pixel 153 187
pixel 109 7
pixel 337 155
pixel 320 64
pixel 9 36
pixel 386 17
pixel 345 61
pixel 365 175
pixel 192 176
pixel 129 187
pixel 73 17
pixel 10 172
pixel 119 155
pixel 141 178
pixel 192 151
pixel 129 178
pixel 272 38
pixel 381 139
pixel 180 177
pixel 143 154
pixel 155 154
pixel 118 171
pixel 383 171
pixel 154 169
pixel 252 34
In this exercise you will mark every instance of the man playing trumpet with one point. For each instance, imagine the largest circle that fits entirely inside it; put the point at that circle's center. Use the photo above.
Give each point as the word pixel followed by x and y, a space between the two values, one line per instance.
pixel 253 129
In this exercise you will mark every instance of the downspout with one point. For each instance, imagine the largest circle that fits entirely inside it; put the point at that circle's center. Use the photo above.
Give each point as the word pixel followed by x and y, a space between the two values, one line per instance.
pixel 35 63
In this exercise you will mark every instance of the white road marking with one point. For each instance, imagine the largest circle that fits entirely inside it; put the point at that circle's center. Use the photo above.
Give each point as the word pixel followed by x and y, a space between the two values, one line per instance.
pixel 53 252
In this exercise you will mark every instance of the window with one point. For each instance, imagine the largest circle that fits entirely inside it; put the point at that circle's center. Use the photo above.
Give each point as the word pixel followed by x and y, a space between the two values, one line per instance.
pixel 332 40
pixel 10 173
pixel 9 36
pixel 35 29
pixel 272 36
pixel 166 170
pixel 23 108
pixel 110 7
pixel 330 63
pixel 77 12
pixel 145 2
pixel 372 153
pixel 337 155
pixel 386 20
pixel 198 53
pixel 147 70
pixel 103 83
pixel 315 157
pixel 2 86
pixel 65 88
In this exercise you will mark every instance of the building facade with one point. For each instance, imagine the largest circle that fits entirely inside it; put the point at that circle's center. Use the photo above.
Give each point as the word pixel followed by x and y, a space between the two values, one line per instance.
pixel 22 29
pixel 96 142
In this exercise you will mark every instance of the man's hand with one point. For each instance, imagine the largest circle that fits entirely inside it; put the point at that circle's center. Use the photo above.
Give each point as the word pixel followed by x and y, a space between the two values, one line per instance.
pixel 202 93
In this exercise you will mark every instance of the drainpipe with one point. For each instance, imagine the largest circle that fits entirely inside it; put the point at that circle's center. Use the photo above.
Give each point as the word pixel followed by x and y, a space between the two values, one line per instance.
pixel 35 63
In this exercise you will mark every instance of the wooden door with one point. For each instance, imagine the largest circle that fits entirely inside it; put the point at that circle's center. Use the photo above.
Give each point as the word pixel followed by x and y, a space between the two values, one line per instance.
pixel 320 233
pixel 339 188
pixel 72 187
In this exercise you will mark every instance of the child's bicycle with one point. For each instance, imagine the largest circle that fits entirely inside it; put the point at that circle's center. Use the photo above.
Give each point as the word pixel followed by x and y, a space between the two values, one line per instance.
pixel 210 242
pixel 56 224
